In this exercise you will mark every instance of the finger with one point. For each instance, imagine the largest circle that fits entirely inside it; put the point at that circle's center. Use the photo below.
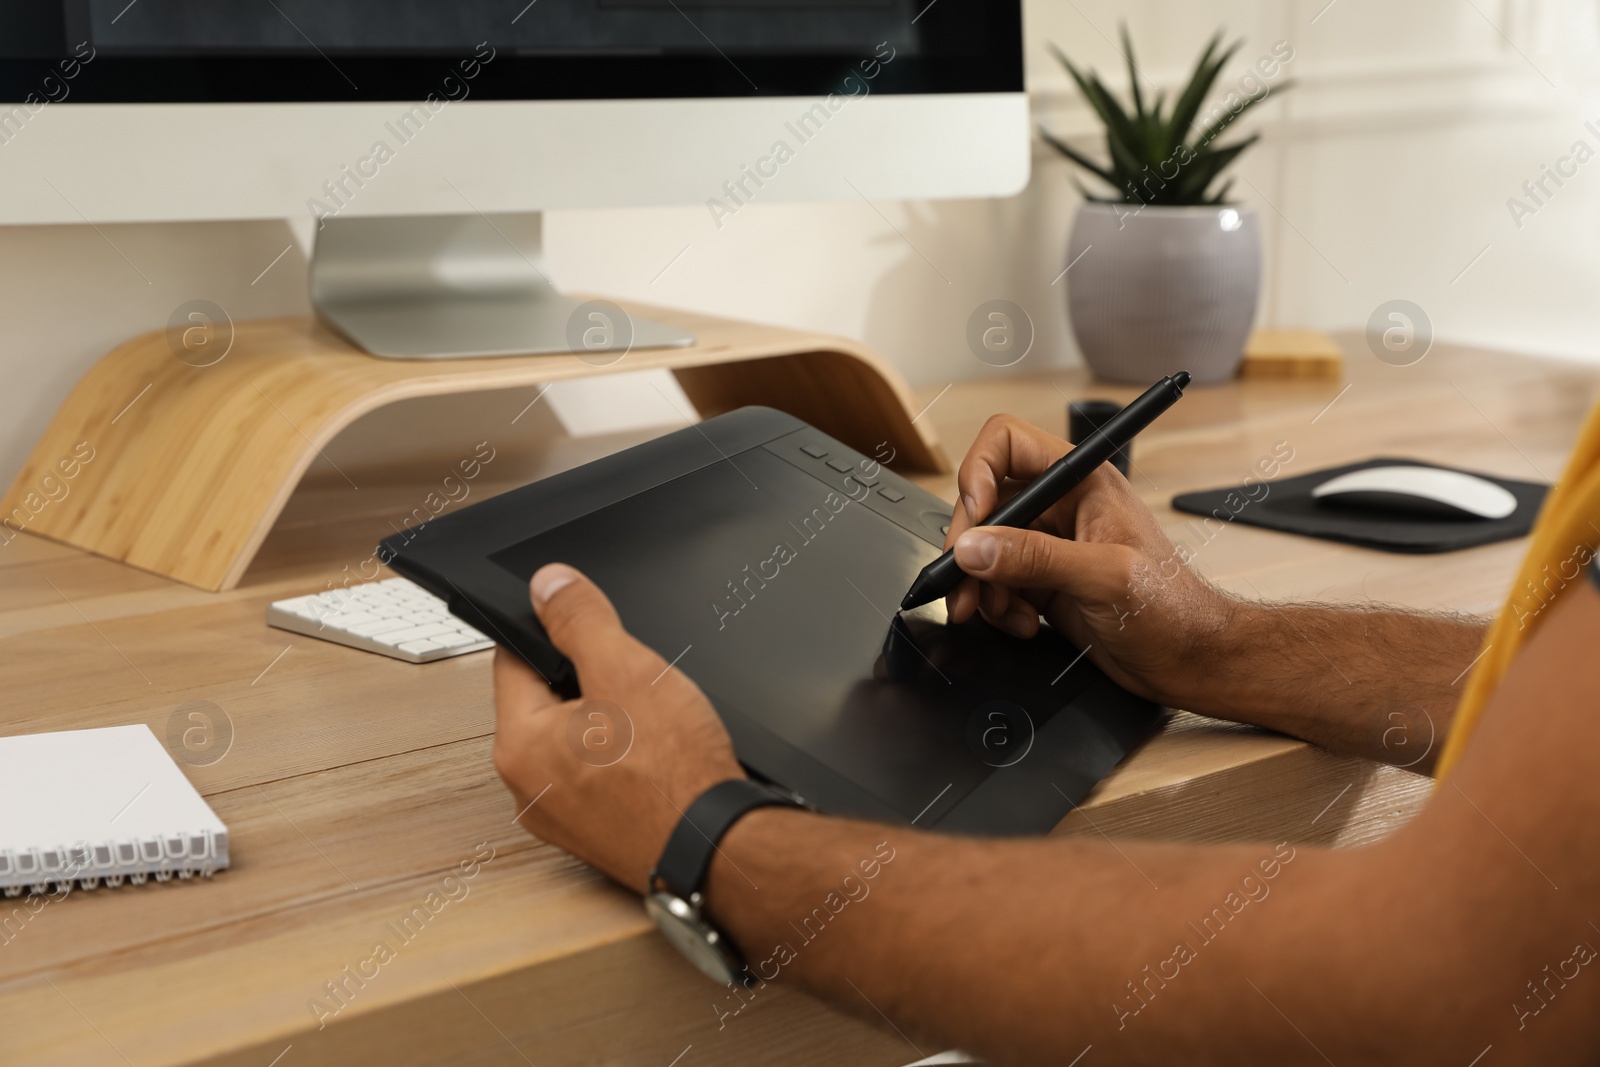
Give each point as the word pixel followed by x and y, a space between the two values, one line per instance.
pixel 519 695
pixel 959 521
pixel 1008 455
pixel 1005 448
pixel 518 689
pixel 1037 599
pixel 581 623
pixel 1021 619
pixel 961 606
pixel 994 601
pixel 1032 559
pixel 962 520
pixel 962 602
pixel 1007 610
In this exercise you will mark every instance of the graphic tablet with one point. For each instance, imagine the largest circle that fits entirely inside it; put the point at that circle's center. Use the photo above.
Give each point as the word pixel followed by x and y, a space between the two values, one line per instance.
pixel 765 560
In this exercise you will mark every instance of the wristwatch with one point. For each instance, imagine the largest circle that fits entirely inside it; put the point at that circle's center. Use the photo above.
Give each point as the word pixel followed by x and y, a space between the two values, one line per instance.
pixel 674 898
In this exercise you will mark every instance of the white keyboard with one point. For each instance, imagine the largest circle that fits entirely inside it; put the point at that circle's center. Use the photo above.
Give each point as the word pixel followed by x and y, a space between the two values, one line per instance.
pixel 395 617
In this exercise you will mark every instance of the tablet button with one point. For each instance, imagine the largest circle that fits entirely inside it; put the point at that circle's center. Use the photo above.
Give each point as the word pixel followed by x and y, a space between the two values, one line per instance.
pixel 890 495
pixel 935 519
pixel 814 451
pixel 841 466
pixel 868 480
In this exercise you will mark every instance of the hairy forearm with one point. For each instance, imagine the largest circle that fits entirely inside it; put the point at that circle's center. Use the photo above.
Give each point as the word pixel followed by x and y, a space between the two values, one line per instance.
pixel 853 912
pixel 1380 683
pixel 1449 937
pixel 1030 951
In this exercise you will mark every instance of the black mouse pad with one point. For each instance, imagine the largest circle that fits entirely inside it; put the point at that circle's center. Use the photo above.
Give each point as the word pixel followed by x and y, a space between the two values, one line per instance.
pixel 1288 506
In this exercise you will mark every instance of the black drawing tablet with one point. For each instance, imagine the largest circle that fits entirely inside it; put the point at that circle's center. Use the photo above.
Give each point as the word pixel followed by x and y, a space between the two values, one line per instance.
pixel 766 559
pixel 1289 507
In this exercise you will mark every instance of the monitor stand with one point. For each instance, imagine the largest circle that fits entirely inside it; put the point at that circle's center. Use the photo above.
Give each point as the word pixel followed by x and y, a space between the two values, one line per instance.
pixel 197 458
pixel 461 286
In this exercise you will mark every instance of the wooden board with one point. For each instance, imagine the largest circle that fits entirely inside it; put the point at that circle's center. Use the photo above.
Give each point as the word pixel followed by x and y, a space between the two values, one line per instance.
pixel 181 470
pixel 1291 354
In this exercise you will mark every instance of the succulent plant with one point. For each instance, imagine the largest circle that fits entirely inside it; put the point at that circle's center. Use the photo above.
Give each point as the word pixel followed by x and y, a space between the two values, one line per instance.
pixel 1166 159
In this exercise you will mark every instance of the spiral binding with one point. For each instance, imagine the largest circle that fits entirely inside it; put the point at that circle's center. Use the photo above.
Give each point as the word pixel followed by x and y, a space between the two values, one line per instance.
pixel 130 861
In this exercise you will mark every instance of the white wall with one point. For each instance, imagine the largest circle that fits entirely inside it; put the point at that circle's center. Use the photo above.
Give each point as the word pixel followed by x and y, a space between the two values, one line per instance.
pixel 1386 171
pixel 1387 167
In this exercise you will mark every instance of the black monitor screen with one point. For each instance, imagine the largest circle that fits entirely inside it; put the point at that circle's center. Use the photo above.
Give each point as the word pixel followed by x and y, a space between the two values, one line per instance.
pixel 152 51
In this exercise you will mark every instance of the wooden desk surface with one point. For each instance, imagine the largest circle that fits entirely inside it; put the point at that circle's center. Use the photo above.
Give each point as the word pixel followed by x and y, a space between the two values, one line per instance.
pixel 355 784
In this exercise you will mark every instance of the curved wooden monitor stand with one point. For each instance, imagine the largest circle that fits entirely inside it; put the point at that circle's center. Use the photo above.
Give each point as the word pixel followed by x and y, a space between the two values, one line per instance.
pixel 182 470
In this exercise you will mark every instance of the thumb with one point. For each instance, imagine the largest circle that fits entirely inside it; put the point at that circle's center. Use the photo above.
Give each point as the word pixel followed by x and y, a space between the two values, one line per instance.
pixel 1033 559
pixel 577 616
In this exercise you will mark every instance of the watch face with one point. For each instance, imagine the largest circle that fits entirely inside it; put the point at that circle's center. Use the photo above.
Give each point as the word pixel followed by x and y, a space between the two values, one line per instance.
pixel 693 936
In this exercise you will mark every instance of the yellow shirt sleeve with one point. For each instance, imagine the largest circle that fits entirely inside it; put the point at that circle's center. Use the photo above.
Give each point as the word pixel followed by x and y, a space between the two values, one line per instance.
pixel 1560 547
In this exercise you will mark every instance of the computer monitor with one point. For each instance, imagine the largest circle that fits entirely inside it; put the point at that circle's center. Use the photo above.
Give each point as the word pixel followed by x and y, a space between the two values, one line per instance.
pixel 422 138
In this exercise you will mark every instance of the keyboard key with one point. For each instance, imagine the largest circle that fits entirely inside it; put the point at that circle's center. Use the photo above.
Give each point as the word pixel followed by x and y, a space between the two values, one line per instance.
pixel 425 616
pixel 303 606
pixel 415 633
pixel 348 620
pixel 417 648
pixel 379 626
pixel 454 640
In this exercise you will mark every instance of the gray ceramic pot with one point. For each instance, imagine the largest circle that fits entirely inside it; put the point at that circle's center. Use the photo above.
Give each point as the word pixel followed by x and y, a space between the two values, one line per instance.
pixel 1162 289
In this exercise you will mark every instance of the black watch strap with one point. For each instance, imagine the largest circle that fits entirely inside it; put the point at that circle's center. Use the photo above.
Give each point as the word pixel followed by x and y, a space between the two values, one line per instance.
pixel 687 857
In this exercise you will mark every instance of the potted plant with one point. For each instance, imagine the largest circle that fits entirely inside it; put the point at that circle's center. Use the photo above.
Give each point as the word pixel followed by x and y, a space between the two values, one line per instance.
pixel 1166 271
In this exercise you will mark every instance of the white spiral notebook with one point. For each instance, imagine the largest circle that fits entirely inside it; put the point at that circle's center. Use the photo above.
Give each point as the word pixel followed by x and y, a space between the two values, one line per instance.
pixel 100 807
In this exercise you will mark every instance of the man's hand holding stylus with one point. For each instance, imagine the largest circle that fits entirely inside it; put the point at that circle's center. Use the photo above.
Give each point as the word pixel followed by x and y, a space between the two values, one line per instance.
pixel 1096 565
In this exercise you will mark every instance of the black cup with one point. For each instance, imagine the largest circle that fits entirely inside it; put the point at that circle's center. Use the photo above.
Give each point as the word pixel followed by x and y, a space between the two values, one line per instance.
pixel 1084 417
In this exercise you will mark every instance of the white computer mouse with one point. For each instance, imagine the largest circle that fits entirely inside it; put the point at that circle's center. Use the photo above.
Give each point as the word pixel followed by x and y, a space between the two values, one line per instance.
pixel 1408 491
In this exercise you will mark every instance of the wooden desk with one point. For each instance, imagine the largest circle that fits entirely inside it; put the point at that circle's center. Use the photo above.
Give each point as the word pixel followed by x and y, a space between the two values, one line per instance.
pixel 355 783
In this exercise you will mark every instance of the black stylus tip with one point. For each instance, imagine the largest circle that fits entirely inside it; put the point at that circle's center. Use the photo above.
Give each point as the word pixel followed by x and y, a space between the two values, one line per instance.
pixel 1181 379
pixel 917 595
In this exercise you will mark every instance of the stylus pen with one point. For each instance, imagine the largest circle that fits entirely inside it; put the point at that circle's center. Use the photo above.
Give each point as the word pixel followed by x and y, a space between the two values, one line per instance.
pixel 941 576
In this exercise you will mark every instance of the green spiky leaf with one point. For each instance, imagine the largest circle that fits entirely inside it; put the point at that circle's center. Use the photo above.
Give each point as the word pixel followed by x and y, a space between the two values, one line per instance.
pixel 1228 117
pixel 1133 73
pixel 1221 195
pixel 1080 159
pixel 1144 147
pixel 1200 83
